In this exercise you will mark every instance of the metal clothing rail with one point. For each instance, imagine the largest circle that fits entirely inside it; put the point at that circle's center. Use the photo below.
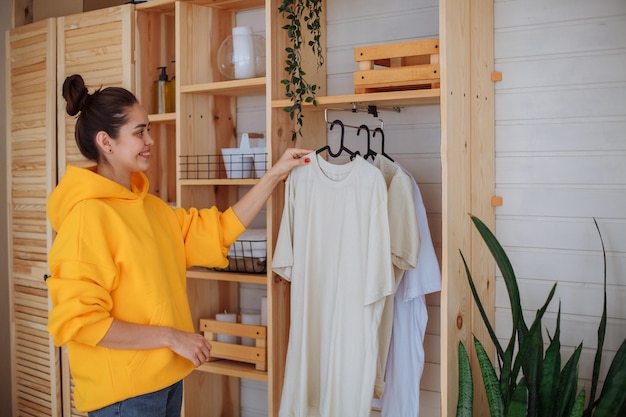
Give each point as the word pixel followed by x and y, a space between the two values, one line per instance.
pixel 373 110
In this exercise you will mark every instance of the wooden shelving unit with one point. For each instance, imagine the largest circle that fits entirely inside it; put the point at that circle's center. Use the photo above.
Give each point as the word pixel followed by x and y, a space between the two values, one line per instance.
pixel 204 122
pixel 190 33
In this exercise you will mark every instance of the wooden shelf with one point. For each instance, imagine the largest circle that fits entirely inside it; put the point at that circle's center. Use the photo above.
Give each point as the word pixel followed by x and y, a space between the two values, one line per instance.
pixel 232 368
pixel 166 118
pixel 232 5
pixel 159 6
pixel 388 99
pixel 203 273
pixel 162 6
pixel 245 181
pixel 233 88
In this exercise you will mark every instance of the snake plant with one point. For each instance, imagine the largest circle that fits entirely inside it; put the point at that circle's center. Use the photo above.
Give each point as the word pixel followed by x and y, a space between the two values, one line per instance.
pixel 530 382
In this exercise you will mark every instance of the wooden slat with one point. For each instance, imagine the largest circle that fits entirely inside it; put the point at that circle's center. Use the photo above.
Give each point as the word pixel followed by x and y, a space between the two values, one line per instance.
pixel 31 68
pixel 97 45
pixel 454 23
pixel 396 50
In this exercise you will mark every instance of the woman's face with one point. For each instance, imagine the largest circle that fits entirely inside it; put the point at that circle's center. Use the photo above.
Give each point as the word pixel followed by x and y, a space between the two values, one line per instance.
pixel 130 152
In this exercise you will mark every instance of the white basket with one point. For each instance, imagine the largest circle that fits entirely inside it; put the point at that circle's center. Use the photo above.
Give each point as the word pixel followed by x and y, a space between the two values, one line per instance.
pixel 238 161
pixel 244 161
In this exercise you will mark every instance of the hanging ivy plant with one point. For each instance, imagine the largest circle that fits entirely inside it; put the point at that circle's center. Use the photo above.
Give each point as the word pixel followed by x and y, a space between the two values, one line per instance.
pixel 297 88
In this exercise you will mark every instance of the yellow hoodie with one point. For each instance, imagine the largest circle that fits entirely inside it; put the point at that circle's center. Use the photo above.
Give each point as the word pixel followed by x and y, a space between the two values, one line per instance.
pixel 123 254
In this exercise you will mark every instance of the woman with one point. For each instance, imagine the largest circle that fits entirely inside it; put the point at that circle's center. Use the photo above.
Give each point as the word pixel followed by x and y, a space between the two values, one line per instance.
pixel 119 258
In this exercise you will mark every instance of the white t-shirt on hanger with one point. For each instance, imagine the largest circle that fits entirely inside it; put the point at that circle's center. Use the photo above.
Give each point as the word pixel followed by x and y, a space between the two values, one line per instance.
pixel 406 358
pixel 405 242
pixel 333 245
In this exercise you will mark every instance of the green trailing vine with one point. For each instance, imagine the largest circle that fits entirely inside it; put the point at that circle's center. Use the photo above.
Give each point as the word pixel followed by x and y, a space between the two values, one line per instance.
pixel 297 88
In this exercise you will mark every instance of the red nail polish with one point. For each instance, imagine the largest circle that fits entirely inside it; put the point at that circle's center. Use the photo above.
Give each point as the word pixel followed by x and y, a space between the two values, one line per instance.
pixel 307 160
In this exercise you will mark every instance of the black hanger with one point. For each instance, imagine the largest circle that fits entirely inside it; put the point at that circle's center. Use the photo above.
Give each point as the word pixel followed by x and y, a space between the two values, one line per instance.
pixel 370 151
pixel 382 143
pixel 342 148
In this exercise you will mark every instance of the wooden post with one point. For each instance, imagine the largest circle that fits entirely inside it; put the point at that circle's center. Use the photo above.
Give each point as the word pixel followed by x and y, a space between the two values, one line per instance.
pixel 467 152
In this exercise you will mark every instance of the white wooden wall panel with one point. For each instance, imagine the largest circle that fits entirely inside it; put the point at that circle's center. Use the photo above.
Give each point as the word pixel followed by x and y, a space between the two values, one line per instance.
pixel 253 398
pixel 560 161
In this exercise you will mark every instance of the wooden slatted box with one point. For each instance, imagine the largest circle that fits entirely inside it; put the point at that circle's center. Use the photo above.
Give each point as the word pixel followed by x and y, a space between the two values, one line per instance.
pixel 398 66
pixel 256 355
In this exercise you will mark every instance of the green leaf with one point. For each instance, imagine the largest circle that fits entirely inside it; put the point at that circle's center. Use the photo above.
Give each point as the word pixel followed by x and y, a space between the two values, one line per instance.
pixel 579 405
pixel 481 309
pixel 508 376
pixel 530 359
pixel 492 388
pixel 550 371
pixel 504 264
pixel 613 396
pixel 519 401
pixel 601 334
pixel 466 387
pixel 533 364
pixel 568 385
pixel 507 386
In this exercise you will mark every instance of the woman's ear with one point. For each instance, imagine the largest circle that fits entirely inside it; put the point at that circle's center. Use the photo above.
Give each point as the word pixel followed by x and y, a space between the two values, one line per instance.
pixel 103 140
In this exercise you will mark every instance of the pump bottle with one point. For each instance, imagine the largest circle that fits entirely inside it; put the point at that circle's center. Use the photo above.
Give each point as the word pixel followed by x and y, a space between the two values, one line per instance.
pixel 161 95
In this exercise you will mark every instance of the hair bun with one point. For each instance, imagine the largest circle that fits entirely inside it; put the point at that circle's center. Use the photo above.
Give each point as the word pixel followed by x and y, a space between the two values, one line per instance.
pixel 75 94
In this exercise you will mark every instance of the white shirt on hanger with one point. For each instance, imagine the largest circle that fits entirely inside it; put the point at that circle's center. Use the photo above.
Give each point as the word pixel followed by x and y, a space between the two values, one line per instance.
pixel 405 243
pixel 405 363
pixel 333 245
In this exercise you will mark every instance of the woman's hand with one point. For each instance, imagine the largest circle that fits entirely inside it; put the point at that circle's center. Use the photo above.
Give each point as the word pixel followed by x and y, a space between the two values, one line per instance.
pixel 191 346
pixel 290 159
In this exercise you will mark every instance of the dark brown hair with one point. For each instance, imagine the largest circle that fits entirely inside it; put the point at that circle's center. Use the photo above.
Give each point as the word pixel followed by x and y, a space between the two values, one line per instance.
pixel 104 110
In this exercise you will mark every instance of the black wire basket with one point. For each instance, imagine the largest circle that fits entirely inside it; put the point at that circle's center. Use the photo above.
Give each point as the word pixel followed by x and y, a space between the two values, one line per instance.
pixel 227 166
pixel 247 256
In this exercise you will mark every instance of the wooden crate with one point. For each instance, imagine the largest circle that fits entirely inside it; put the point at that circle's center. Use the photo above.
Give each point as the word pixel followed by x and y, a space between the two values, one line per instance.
pixel 398 66
pixel 256 355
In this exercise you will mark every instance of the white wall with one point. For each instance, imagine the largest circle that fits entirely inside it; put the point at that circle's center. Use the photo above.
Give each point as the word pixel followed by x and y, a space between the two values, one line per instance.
pixel 561 161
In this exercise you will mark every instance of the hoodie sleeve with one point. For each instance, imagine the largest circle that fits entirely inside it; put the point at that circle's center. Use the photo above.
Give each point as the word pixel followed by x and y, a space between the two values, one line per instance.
pixel 208 235
pixel 81 281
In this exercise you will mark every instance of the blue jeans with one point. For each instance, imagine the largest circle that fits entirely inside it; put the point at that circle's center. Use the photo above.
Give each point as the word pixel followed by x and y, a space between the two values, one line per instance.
pixel 164 403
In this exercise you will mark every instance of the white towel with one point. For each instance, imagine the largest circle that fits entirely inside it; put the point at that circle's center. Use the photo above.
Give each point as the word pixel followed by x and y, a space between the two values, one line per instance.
pixel 252 243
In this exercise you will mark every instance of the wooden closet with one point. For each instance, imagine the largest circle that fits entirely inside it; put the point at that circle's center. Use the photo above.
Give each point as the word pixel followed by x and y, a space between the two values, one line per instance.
pixel 31 158
pixel 122 46
pixel 96 45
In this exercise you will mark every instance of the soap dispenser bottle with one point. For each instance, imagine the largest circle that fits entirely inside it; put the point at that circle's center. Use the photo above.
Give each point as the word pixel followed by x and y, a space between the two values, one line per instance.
pixel 162 102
